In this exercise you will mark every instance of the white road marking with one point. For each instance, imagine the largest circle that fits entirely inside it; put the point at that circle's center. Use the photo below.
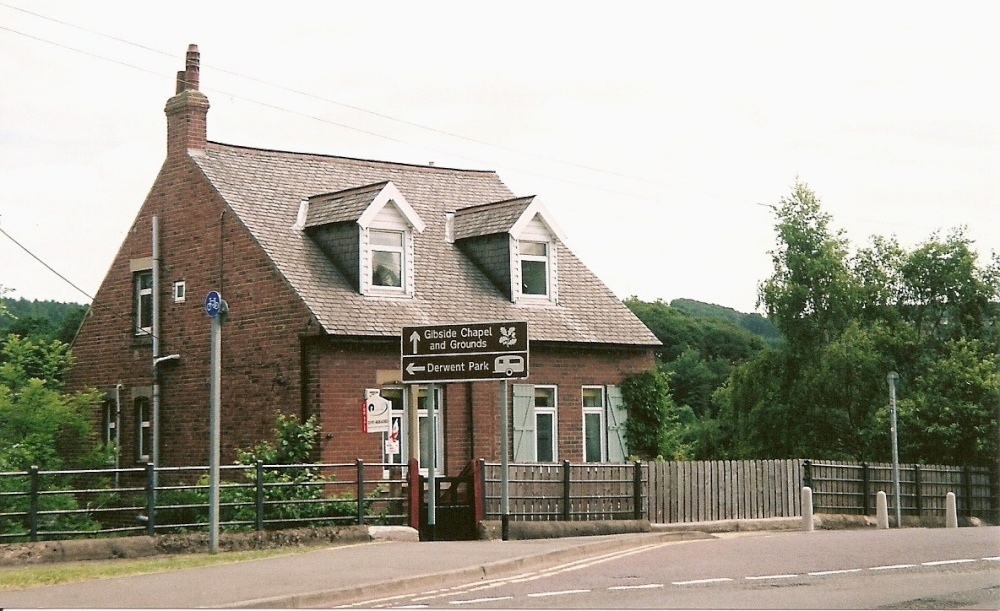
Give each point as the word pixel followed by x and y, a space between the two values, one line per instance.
pixel 836 572
pixel 591 561
pixel 476 601
pixel 556 593
pixel 648 586
pixel 940 562
pixel 697 581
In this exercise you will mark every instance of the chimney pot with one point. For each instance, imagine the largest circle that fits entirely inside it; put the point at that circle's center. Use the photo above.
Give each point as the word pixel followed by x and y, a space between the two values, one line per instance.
pixel 192 68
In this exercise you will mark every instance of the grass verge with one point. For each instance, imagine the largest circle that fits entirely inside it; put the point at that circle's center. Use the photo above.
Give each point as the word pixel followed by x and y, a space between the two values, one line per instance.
pixel 15 578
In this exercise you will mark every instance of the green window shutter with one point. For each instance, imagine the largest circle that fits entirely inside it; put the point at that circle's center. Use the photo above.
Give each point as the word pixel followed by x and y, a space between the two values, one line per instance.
pixel 524 423
pixel 617 415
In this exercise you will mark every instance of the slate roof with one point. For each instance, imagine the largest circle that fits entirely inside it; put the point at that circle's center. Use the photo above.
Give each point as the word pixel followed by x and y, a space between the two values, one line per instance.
pixel 264 188
pixel 486 219
pixel 341 206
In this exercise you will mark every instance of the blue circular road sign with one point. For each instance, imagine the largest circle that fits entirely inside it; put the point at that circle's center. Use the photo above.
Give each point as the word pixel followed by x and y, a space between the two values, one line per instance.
pixel 213 303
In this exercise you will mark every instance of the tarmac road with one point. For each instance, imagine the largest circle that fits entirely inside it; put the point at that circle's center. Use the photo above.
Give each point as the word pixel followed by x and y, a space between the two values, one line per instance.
pixel 318 577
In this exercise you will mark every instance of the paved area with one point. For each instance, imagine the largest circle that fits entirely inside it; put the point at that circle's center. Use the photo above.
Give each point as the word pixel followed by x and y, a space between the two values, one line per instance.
pixel 321 577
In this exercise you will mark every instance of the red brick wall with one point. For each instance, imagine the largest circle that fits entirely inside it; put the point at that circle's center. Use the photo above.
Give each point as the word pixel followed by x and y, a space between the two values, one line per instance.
pixel 202 243
pixel 471 415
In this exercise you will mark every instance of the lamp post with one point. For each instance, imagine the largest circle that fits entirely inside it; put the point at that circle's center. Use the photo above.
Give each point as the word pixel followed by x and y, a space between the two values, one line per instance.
pixel 892 378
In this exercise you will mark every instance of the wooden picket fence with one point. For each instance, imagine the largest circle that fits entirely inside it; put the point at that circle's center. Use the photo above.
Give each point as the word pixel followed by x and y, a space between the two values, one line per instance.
pixel 565 491
pixel 699 491
pixel 747 489
pixel 852 487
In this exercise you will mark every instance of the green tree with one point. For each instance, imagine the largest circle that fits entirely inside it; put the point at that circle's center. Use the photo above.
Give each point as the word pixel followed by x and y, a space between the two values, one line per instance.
pixel 808 297
pixel 653 426
pixel 930 314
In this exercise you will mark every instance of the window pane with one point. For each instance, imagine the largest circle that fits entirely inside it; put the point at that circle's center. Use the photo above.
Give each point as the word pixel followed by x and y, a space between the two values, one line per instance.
pixel 386 238
pixel 544 436
pixel 534 279
pixel 394 438
pixel 145 312
pixel 387 268
pixel 545 397
pixel 536 249
pixel 592 437
pixel 145 280
pixel 592 397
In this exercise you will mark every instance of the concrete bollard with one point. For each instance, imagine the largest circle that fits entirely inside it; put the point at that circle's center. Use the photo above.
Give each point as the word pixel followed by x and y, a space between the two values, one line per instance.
pixel 881 510
pixel 807 509
pixel 950 511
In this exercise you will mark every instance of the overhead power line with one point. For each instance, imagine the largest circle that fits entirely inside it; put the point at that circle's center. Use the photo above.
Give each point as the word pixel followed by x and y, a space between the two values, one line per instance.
pixel 381 115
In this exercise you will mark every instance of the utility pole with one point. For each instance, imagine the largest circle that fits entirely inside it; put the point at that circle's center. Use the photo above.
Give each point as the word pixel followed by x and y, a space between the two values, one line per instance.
pixel 892 377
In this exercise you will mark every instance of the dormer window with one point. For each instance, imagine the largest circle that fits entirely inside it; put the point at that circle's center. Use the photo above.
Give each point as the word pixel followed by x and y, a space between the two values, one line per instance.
pixel 534 268
pixel 516 244
pixel 368 234
pixel 388 258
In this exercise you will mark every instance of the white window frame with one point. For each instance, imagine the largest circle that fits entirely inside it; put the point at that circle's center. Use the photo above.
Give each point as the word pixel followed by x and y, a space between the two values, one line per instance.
pixel 545 259
pixel 109 416
pixel 399 250
pixel 398 414
pixel 179 291
pixel 143 429
pixel 138 294
pixel 552 410
pixel 599 411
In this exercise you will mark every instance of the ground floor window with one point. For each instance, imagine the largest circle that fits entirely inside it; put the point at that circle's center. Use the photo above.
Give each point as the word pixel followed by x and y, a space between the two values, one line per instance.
pixel 109 418
pixel 546 431
pixel 143 430
pixel 396 448
pixel 593 424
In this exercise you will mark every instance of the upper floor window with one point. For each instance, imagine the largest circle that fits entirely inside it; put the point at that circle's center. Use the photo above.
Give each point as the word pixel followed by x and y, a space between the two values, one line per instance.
pixel 534 268
pixel 143 301
pixel 388 254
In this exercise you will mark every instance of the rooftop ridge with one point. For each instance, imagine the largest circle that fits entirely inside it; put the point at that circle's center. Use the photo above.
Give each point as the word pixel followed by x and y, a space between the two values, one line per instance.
pixel 488 205
pixel 401 164
pixel 375 186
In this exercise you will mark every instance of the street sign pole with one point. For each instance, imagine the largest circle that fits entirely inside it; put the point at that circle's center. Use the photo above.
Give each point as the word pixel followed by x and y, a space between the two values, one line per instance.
pixel 431 467
pixel 504 496
pixel 216 308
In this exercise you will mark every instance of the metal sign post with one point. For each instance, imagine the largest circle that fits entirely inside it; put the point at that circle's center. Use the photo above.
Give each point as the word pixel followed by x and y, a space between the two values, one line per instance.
pixel 892 377
pixel 504 483
pixel 432 467
pixel 216 309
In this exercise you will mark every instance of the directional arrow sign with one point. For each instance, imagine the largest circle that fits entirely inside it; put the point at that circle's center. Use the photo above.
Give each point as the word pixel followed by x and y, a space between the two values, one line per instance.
pixel 465 352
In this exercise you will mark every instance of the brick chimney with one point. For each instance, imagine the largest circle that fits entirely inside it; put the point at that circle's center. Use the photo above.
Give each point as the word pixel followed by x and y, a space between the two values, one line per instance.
pixel 187 110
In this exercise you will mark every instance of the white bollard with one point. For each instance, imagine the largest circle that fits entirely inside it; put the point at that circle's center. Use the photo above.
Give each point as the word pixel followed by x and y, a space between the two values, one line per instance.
pixel 807 509
pixel 881 511
pixel 950 511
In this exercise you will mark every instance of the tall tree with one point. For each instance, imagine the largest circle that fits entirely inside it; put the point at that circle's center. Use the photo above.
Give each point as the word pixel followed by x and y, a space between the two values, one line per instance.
pixel 931 314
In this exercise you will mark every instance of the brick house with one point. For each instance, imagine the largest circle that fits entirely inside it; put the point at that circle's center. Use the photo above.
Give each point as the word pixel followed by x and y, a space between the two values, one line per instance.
pixel 322 261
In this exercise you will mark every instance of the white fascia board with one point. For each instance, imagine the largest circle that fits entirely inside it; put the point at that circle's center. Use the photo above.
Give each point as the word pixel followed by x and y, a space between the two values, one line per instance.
pixel 390 193
pixel 536 208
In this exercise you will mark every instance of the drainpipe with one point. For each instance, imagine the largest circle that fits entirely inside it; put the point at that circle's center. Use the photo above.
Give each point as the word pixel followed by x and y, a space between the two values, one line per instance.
pixel 118 430
pixel 155 450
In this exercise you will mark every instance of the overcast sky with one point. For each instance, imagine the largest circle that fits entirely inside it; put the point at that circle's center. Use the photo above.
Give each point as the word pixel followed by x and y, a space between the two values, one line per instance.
pixel 653 135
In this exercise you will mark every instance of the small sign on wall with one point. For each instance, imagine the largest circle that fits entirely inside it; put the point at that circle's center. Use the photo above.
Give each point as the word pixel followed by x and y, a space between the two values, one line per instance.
pixel 375 414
